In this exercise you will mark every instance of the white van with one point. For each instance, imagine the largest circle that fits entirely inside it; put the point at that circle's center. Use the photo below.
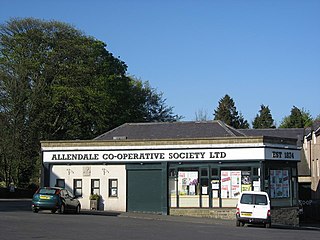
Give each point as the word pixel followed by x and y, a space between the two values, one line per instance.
pixel 253 207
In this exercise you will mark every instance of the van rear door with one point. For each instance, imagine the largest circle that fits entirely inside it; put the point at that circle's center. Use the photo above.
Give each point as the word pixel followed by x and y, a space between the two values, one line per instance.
pixel 260 207
pixel 246 205
pixel 254 206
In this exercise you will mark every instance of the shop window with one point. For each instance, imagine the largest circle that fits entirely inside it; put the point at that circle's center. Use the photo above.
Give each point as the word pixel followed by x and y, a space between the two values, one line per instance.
pixel 95 186
pixel 113 187
pixel 230 187
pixel 77 187
pixel 204 186
pixel 294 172
pixel 256 171
pixel 60 183
pixel 172 173
pixel 187 183
pixel 215 186
pixel 230 184
pixel 279 183
pixel 214 172
pixel 246 183
pixel 204 172
pixel 188 189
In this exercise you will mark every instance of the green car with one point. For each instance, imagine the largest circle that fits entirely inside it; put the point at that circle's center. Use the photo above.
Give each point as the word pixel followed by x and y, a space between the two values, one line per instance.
pixel 55 199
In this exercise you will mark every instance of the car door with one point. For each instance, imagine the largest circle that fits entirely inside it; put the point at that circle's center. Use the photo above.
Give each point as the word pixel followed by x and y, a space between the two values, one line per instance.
pixel 66 199
pixel 73 201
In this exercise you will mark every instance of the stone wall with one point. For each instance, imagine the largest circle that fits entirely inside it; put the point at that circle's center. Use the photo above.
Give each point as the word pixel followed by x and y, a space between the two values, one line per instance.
pixel 284 215
pixel 218 213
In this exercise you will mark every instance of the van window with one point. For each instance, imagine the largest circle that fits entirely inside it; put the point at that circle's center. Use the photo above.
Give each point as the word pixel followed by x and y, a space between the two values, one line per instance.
pixel 247 199
pixel 254 199
pixel 261 200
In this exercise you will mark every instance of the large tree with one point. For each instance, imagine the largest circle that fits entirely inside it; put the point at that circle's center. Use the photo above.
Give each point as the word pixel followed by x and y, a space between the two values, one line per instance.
pixel 227 112
pixel 298 118
pixel 263 119
pixel 58 83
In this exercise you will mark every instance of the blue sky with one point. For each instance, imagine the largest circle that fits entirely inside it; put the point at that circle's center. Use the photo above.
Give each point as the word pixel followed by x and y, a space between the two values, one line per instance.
pixel 196 51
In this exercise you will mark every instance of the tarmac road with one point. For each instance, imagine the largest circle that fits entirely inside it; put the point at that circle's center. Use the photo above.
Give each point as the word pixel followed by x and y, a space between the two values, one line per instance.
pixel 18 222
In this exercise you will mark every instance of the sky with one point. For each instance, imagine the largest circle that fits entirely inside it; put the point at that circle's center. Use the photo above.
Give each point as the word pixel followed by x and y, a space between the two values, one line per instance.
pixel 197 51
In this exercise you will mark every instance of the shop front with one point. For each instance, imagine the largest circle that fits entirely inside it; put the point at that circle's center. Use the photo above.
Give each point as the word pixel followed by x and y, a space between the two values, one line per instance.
pixel 173 177
pixel 217 184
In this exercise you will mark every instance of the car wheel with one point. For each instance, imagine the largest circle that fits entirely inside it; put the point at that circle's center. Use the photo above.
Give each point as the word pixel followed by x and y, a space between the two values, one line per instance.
pixel 77 211
pixel 35 210
pixel 62 209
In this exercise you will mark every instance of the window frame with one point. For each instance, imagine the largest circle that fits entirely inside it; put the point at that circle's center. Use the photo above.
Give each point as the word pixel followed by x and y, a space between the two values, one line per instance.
pixel 76 188
pixel 59 180
pixel 113 190
pixel 93 188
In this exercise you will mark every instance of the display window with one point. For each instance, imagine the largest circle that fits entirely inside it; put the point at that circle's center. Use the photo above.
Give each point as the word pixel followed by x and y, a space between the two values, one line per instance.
pixel 210 186
pixel 188 182
pixel 279 184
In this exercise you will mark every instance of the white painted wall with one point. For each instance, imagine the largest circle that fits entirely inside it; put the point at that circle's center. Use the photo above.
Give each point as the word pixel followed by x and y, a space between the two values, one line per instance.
pixel 102 172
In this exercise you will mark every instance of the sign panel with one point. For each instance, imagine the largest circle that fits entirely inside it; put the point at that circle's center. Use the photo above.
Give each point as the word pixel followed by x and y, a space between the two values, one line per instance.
pixel 152 155
pixel 282 154
pixel 188 154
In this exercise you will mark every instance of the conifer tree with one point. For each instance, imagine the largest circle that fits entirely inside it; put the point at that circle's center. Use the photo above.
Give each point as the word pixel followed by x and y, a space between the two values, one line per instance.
pixel 263 119
pixel 297 119
pixel 227 112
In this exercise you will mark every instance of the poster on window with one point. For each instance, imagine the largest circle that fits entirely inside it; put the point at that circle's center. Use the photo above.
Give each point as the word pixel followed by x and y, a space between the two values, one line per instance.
pixel 246 184
pixel 230 184
pixel 187 182
pixel 279 183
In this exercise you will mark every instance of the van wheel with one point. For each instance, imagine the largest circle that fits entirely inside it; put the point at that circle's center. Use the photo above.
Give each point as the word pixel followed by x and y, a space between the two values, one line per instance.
pixel 238 224
pixel 268 225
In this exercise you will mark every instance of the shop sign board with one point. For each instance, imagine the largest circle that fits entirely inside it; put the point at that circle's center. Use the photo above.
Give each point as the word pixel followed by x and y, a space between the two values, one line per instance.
pixel 188 154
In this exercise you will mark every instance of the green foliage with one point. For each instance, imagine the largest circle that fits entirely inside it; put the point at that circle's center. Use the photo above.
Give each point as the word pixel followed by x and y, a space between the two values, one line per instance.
pixel 95 197
pixel 297 119
pixel 57 83
pixel 227 112
pixel 264 119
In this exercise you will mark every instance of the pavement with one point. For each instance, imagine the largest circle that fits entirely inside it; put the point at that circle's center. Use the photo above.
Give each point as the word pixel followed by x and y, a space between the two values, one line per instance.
pixel 303 226
pixel 151 216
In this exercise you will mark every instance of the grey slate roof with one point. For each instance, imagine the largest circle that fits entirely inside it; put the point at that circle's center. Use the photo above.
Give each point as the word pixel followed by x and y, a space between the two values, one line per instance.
pixel 171 130
pixel 297 133
pixel 315 127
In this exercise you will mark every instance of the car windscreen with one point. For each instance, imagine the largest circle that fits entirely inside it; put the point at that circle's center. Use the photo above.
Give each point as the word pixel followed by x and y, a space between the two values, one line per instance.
pixel 48 191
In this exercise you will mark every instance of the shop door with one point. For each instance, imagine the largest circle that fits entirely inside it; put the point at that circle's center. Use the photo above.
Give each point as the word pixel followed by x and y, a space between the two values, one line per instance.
pixel 145 191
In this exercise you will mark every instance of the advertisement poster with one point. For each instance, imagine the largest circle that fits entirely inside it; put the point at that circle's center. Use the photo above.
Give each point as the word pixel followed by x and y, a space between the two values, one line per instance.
pixel 279 183
pixel 187 182
pixel 230 184
pixel 246 181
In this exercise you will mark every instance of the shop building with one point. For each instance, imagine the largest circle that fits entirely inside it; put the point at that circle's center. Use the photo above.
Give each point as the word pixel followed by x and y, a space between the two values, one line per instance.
pixel 182 168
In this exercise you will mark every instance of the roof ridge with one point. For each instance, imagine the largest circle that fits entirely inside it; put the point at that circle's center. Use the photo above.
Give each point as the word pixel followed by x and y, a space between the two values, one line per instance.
pixel 110 131
pixel 228 127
